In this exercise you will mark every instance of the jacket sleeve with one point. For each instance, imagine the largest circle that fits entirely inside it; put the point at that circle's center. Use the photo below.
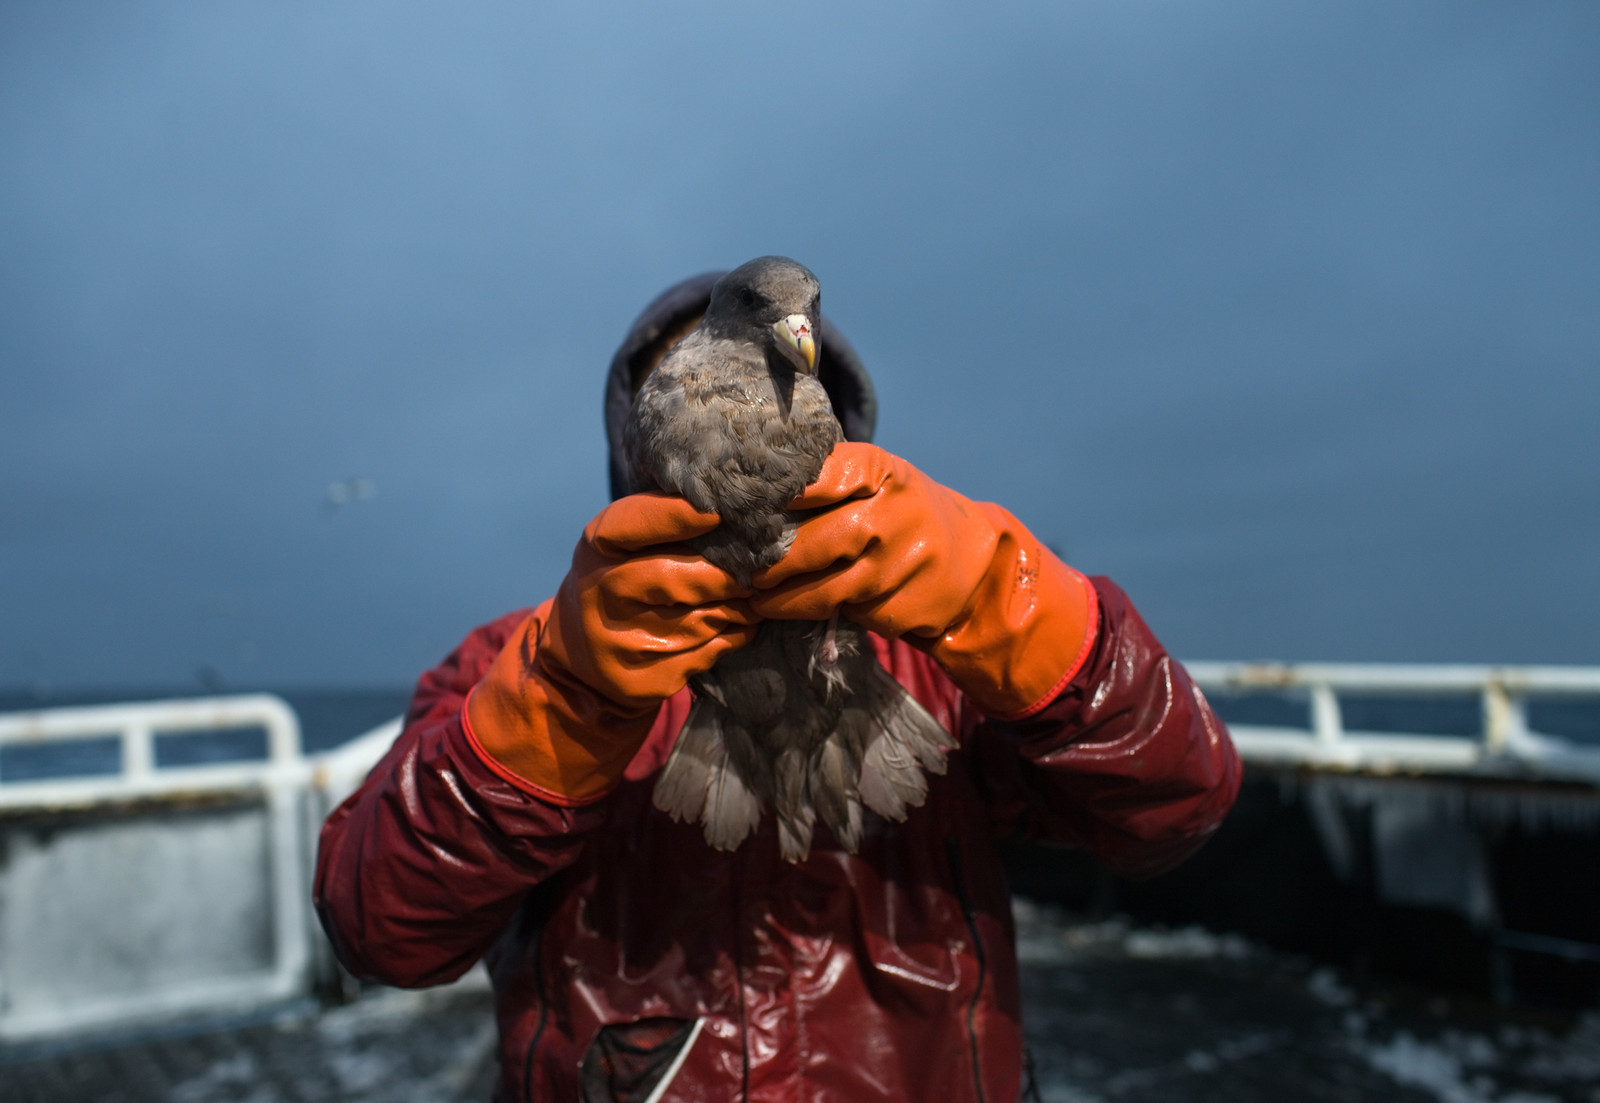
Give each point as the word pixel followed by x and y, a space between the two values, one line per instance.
pixel 1128 761
pixel 420 870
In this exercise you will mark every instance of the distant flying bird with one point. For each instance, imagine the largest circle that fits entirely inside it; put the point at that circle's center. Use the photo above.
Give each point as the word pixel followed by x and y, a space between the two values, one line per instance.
pixel 345 491
pixel 735 420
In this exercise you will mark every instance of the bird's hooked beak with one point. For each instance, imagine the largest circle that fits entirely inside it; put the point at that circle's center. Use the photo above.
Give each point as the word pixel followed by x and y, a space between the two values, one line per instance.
pixel 797 342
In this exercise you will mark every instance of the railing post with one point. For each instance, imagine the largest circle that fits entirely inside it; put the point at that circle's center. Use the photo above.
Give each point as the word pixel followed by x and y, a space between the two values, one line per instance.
pixel 138 750
pixel 1327 725
pixel 1505 717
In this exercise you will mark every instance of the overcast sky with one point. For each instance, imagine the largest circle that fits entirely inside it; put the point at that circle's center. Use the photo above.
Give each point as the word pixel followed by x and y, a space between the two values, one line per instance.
pixel 1286 316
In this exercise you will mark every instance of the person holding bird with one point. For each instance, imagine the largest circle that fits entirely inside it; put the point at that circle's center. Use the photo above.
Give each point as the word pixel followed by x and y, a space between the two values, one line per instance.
pixel 722 815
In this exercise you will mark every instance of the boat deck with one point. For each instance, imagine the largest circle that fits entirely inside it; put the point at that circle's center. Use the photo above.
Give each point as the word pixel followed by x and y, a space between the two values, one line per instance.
pixel 1114 1012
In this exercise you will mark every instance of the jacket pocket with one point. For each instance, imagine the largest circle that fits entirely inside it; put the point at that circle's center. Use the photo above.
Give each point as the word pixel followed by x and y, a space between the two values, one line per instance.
pixel 636 1062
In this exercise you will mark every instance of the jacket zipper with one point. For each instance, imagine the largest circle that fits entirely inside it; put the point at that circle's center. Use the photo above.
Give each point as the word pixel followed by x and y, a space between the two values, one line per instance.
pixel 544 1012
pixel 952 847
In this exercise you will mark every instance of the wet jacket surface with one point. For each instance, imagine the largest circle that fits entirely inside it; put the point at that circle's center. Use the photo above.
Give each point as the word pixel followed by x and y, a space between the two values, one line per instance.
pixel 612 932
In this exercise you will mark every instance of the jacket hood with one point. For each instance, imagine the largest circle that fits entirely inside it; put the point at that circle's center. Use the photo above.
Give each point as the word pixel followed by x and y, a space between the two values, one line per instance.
pixel 671 315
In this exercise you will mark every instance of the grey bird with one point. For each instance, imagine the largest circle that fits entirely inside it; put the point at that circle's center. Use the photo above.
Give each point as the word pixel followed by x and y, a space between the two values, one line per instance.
pixel 803 717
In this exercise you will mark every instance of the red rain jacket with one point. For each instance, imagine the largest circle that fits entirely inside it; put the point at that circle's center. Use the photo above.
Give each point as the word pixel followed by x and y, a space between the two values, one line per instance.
pixel 626 953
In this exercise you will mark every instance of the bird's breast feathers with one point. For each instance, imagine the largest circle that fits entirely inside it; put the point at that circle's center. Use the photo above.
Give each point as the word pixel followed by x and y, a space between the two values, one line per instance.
pixel 691 420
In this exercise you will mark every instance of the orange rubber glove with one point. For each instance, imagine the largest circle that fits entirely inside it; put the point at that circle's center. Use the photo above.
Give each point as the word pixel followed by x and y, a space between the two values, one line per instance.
pixel 568 702
pixel 901 555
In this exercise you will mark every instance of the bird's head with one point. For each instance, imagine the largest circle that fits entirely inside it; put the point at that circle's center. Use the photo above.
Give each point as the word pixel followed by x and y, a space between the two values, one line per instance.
pixel 774 302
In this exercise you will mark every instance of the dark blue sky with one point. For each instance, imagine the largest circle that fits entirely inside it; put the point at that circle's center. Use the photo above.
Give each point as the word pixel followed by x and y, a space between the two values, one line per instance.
pixel 1285 316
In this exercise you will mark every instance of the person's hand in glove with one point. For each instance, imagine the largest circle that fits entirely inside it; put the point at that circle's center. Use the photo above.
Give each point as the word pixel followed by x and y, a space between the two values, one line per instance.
pixel 894 551
pixel 573 695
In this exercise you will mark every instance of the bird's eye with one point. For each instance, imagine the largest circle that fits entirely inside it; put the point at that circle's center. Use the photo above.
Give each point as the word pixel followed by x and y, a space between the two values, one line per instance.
pixel 747 297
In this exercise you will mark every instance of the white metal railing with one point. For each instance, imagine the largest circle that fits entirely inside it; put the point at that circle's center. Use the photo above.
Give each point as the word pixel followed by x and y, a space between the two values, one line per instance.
pixel 136 726
pixel 296 792
pixel 280 782
pixel 1506 746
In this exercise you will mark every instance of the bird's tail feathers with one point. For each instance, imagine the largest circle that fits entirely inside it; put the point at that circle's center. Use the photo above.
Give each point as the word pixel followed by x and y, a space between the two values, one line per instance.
pixel 797 814
pixel 794 834
pixel 901 740
pixel 733 809
pixel 701 781
pixel 834 791
pixel 884 744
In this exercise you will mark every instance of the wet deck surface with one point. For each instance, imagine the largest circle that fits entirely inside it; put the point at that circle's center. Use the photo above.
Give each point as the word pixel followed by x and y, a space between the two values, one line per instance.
pixel 1140 1015
pixel 1114 1012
